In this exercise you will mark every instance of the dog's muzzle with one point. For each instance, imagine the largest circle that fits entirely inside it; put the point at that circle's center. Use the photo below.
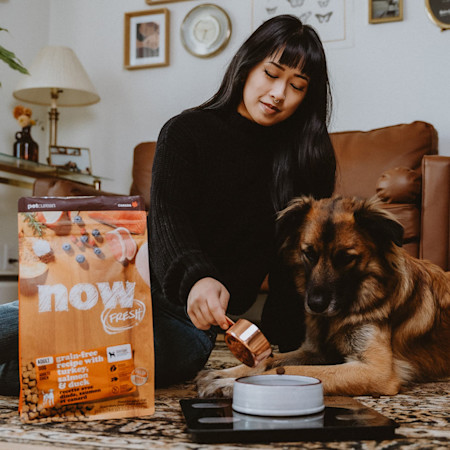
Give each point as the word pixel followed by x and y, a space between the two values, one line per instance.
pixel 321 304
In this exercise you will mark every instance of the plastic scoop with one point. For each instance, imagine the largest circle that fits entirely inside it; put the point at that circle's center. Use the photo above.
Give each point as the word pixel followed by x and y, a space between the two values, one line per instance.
pixel 247 343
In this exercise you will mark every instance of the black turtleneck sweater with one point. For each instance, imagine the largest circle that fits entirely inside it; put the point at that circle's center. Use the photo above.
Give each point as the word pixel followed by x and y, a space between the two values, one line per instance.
pixel 211 213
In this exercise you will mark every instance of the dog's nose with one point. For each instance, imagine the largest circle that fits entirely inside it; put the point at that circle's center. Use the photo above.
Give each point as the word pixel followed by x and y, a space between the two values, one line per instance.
pixel 318 303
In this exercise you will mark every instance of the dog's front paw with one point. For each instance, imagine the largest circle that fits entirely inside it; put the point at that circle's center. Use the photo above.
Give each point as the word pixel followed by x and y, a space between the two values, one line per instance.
pixel 211 383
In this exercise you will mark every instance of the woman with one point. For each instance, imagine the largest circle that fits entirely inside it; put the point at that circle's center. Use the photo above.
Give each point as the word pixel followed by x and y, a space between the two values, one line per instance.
pixel 221 173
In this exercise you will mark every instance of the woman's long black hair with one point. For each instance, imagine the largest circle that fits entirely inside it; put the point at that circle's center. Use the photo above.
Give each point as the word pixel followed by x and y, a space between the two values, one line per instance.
pixel 307 164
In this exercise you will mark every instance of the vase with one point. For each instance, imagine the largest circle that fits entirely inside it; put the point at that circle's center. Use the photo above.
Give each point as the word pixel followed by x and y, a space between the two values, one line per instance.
pixel 25 147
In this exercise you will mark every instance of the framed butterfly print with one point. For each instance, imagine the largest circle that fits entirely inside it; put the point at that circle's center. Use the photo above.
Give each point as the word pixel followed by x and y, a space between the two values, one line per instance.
pixel 385 11
pixel 327 17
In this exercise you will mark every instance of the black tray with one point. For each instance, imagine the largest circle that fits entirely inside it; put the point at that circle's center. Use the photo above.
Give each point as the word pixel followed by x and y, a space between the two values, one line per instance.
pixel 214 421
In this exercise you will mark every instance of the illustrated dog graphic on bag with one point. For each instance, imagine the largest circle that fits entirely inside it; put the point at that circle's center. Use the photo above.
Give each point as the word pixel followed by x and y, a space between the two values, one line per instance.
pixel 48 398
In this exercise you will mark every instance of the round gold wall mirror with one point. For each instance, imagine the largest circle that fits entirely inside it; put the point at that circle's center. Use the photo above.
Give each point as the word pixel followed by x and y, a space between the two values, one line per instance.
pixel 439 12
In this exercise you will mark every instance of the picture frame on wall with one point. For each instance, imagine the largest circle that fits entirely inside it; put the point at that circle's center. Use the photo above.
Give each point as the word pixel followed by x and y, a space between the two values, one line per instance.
pixel 146 39
pixel 332 20
pixel 381 11
pixel 439 13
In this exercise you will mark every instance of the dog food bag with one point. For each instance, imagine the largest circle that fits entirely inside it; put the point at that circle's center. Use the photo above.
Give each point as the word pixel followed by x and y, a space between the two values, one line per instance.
pixel 85 316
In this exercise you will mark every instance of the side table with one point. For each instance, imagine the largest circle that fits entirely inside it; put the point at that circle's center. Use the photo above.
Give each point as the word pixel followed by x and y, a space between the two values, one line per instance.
pixel 12 165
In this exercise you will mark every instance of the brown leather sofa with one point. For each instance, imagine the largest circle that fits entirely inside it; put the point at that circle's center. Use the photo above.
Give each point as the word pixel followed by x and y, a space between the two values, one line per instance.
pixel 400 164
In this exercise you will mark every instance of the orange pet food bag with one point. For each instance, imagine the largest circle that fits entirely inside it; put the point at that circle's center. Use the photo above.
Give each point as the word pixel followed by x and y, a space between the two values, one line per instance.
pixel 85 316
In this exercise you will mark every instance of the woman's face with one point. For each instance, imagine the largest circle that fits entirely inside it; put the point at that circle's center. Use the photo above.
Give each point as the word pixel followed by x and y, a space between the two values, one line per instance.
pixel 272 92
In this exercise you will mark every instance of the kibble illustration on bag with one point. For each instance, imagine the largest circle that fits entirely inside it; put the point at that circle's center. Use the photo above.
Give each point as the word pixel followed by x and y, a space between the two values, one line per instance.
pixel 85 316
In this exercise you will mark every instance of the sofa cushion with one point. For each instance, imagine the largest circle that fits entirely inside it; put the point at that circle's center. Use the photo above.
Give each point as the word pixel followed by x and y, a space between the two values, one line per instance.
pixel 362 156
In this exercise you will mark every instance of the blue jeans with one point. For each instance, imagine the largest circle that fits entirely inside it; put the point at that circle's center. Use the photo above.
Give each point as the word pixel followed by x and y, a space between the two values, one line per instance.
pixel 181 350
pixel 9 348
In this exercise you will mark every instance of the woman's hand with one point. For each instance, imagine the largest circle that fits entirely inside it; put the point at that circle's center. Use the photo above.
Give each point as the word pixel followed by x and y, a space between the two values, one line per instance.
pixel 207 303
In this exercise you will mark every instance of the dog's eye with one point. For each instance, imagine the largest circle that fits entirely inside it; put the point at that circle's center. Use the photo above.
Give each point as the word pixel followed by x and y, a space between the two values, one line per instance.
pixel 310 254
pixel 344 258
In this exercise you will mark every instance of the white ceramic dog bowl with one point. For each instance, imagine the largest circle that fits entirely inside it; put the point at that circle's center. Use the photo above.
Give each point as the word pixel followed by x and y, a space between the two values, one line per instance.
pixel 278 395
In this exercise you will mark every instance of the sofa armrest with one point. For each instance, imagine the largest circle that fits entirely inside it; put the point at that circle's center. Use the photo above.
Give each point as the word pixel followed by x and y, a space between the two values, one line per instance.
pixel 435 226
pixel 399 185
pixel 143 156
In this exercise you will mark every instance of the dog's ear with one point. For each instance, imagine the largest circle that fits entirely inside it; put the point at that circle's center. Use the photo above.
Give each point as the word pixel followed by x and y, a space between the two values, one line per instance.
pixel 383 228
pixel 290 219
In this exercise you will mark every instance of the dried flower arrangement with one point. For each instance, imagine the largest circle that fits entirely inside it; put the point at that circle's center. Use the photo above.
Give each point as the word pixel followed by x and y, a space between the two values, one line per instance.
pixel 23 116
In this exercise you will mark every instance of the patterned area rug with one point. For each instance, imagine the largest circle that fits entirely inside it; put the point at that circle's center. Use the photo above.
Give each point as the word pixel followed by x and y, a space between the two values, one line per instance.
pixel 422 411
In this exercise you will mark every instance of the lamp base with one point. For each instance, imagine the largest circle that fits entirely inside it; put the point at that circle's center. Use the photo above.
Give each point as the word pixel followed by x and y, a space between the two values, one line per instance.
pixel 53 115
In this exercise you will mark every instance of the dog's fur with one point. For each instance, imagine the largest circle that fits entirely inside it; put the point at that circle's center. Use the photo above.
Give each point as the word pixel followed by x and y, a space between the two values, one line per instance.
pixel 376 318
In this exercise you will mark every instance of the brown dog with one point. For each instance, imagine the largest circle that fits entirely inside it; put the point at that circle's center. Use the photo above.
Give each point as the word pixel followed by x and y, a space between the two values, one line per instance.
pixel 383 315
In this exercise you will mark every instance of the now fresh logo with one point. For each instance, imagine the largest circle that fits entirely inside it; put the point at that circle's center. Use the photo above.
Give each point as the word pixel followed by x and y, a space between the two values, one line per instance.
pixel 121 310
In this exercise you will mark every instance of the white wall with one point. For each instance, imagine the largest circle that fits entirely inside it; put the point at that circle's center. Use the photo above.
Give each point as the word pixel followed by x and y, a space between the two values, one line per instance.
pixel 395 72
pixel 391 73
pixel 28 23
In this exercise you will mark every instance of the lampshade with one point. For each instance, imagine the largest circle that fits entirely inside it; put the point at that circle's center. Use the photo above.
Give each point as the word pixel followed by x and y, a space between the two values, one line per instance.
pixel 57 68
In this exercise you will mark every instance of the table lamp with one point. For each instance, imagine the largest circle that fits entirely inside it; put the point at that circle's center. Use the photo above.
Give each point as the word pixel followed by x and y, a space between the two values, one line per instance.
pixel 57 78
